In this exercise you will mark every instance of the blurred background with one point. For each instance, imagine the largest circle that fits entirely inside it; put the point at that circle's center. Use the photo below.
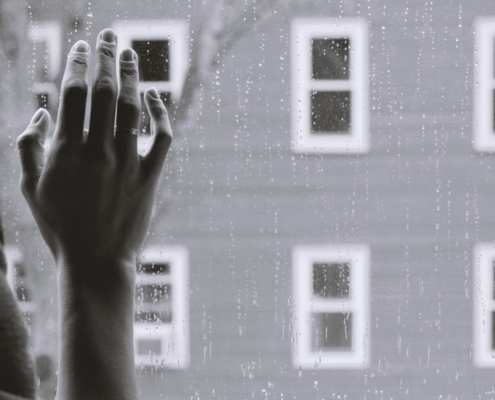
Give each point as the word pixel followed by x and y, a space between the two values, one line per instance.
pixel 325 206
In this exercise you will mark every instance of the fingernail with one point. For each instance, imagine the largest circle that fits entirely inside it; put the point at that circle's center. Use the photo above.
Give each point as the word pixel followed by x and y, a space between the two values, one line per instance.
pixel 81 47
pixel 37 116
pixel 127 55
pixel 108 36
pixel 153 93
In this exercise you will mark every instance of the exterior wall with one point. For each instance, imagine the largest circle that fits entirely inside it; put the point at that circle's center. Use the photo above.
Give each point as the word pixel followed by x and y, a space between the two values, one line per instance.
pixel 239 199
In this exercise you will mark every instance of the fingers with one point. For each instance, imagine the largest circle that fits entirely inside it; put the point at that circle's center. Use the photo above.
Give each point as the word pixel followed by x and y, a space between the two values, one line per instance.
pixel 104 94
pixel 74 90
pixel 152 162
pixel 31 150
pixel 128 108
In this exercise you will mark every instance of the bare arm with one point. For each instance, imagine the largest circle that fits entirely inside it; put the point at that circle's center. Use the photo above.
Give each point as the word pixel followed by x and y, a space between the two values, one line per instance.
pixel 92 199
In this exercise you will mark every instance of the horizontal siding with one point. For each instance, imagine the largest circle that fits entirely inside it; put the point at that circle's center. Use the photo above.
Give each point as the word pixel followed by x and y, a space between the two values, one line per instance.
pixel 239 199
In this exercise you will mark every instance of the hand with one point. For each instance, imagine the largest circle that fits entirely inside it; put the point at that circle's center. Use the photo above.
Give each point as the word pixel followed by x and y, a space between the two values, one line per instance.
pixel 92 195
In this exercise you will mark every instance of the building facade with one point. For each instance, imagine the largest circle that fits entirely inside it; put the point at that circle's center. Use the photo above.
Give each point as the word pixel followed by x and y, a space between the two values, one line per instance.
pixel 324 229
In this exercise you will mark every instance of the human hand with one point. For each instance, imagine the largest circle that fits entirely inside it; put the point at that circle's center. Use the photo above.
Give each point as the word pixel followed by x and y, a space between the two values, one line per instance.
pixel 92 195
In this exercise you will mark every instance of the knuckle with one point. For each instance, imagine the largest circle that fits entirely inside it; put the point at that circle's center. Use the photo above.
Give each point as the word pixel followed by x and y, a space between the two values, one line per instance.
pixel 164 136
pixel 75 88
pixel 106 88
pixel 79 60
pixel 159 110
pixel 107 50
pixel 128 70
pixel 129 107
pixel 26 139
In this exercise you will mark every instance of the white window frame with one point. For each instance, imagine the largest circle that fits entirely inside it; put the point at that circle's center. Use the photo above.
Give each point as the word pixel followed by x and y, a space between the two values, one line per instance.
pixel 303 30
pixel 13 256
pixel 49 32
pixel 177 332
pixel 176 31
pixel 304 304
pixel 484 84
pixel 484 304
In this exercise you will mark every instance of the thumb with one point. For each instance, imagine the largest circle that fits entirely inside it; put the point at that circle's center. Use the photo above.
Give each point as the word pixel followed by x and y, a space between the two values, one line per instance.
pixel 31 150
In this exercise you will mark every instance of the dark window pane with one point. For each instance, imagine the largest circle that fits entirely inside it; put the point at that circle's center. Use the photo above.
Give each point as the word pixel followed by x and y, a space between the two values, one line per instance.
pixel 45 367
pixel 330 112
pixel 493 330
pixel 331 280
pixel 153 293
pixel 154 268
pixel 145 117
pixel 153 59
pixel 493 110
pixel 330 58
pixel 153 303
pixel 493 283
pixel 145 347
pixel 331 331
pixel 42 100
pixel 150 316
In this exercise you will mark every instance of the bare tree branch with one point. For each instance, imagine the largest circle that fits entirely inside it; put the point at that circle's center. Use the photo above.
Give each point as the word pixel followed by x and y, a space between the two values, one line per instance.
pixel 213 38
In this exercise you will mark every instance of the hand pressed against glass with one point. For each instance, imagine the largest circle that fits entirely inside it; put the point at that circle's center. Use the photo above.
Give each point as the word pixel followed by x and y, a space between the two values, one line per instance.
pixel 92 197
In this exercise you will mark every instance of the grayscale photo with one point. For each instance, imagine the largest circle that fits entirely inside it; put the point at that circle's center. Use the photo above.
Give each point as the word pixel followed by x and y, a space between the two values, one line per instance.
pixel 247 200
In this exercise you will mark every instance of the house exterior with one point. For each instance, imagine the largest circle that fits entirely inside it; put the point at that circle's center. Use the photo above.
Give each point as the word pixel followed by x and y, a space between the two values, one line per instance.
pixel 325 230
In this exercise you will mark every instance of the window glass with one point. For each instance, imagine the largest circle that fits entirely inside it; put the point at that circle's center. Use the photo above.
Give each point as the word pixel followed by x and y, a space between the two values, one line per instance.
pixel 330 58
pixel 331 331
pixel 329 188
pixel 153 59
pixel 330 112
pixel 331 280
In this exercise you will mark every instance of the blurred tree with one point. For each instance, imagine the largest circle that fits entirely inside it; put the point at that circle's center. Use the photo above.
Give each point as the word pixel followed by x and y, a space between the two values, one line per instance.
pixel 216 28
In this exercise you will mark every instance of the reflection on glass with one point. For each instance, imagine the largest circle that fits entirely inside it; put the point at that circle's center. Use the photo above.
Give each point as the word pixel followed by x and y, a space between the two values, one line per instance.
pixel 153 59
pixel 331 331
pixel 154 303
pixel 149 346
pixel 330 112
pixel 330 58
pixel 331 280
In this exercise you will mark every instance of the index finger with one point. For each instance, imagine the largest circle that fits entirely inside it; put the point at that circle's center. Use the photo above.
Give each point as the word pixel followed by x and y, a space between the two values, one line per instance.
pixel 73 93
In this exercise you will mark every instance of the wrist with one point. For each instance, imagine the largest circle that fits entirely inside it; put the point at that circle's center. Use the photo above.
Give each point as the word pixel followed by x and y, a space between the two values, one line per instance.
pixel 106 273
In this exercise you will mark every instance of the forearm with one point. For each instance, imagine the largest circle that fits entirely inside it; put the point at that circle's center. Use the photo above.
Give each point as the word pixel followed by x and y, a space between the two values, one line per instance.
pixel 96 331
